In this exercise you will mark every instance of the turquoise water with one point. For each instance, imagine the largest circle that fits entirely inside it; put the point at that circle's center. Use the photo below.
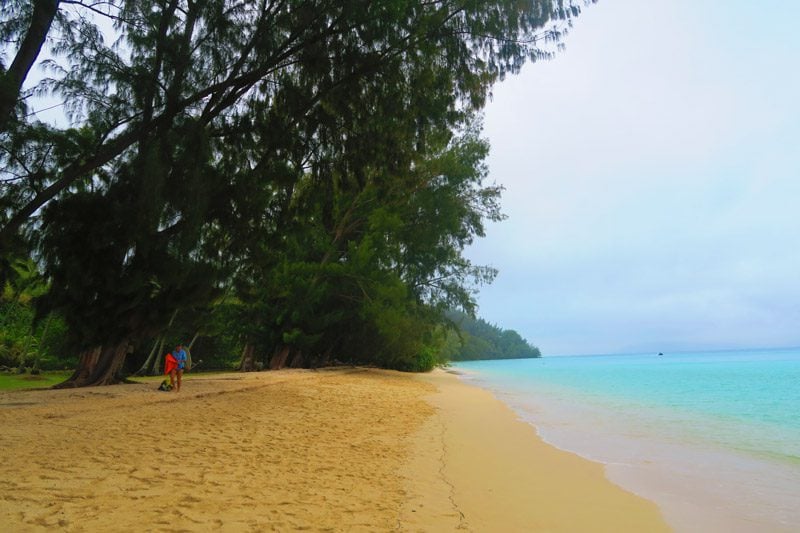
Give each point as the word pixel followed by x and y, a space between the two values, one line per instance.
pixel 691 431
pixel 751 398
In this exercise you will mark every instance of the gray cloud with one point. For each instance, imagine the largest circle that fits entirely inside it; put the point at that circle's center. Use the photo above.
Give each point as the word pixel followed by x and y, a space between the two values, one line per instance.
pixel 652 183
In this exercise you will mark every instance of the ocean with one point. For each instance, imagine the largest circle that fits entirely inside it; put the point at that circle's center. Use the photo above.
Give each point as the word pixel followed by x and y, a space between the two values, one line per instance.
pixel 712 437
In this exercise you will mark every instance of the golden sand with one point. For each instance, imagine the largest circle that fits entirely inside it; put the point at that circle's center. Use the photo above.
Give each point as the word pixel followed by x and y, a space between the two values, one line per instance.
pixel 494 473
pixel 328 450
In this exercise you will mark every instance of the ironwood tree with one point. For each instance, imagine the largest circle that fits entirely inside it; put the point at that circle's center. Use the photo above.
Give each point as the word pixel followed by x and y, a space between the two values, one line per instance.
pixel 220 144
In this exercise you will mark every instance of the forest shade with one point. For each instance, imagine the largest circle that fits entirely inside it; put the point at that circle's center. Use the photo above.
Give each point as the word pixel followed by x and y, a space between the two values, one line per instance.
pixel 295 179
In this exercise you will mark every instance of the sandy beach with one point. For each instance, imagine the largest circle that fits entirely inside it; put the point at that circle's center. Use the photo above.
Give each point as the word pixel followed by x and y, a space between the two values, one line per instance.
pixel 328 450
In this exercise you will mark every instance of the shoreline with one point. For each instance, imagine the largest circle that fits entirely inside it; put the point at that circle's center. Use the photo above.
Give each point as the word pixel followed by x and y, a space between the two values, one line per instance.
pixel 500 475
pixel 698 486
pixel 337 449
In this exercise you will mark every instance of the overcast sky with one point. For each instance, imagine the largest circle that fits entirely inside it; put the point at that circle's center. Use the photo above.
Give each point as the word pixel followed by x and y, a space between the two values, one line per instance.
pixel 652 175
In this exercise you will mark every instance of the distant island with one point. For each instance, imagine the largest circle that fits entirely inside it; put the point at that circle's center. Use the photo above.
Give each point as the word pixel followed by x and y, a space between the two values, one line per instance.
pixel 479 339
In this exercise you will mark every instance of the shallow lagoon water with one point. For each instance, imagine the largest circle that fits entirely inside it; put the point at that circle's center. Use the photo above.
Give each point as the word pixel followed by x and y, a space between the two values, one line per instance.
pixel 712 437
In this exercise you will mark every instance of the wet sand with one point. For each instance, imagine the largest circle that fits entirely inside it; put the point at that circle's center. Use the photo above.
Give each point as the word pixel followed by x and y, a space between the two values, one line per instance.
pixel 329 450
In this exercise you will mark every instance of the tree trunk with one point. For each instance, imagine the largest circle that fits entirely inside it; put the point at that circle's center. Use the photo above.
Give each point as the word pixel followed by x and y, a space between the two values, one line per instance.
pixel 37 357
pixel 152 366
pixel 278 360
pixel 25 348
pixel 157 366
pixel 41 340
pixel 248 363
pixel 325 360
pixel 44 11
pixel 297 360
pixel 98 366
pixel 147 365
pixel 189 362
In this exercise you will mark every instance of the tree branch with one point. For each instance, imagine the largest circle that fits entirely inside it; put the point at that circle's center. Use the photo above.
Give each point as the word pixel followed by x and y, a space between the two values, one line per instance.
pixel 44 11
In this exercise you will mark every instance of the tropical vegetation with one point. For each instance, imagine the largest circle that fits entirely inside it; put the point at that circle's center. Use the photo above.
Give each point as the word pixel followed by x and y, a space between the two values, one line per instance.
pixel 476 339
pixel 292 181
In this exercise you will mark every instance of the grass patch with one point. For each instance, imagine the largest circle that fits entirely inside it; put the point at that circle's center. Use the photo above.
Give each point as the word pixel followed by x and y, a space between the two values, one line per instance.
pixel 48 379
pixel 27 381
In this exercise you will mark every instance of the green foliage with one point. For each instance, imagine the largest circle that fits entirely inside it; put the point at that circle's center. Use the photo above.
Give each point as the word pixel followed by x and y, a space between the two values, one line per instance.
pixel 320 162
pixel 25 342
pixel 220 343
pixel 476 339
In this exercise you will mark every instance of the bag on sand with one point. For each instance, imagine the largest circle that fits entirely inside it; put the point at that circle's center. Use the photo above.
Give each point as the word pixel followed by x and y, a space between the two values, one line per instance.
pixel 165 386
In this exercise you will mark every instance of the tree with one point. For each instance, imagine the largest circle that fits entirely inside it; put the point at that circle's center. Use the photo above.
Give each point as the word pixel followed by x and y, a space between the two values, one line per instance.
pixel 481 340
pixel 215 138
pixel 206 58
pixel 32 23
pixel 374 230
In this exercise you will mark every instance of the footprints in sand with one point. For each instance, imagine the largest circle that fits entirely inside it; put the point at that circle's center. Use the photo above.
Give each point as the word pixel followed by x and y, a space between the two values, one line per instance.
pixel 248 455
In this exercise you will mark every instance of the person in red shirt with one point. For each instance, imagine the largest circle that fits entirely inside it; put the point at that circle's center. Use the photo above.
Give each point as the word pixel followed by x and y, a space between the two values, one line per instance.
pixel 174 366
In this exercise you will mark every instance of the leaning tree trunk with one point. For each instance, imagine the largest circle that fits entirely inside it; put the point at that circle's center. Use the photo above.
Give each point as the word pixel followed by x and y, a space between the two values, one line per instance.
pixel 159 364
pixel 38 358
pixel 248 362
pixel 278 360
pixel 98 366
pixel 297 360
pixel 326 358
pixel 11 81
pixel 189 362
pixel 150 366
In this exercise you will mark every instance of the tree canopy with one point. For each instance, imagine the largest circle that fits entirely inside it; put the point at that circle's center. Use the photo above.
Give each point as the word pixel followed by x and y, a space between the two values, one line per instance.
pixel 317 163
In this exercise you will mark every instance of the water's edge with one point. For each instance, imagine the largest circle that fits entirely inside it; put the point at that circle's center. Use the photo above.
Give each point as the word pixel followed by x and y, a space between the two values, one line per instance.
pixel 697 488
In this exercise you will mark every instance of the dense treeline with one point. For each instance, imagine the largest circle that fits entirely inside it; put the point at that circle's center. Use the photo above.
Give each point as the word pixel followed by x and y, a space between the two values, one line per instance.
pixel 290 180
pixel 24 343
pixel 477 339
